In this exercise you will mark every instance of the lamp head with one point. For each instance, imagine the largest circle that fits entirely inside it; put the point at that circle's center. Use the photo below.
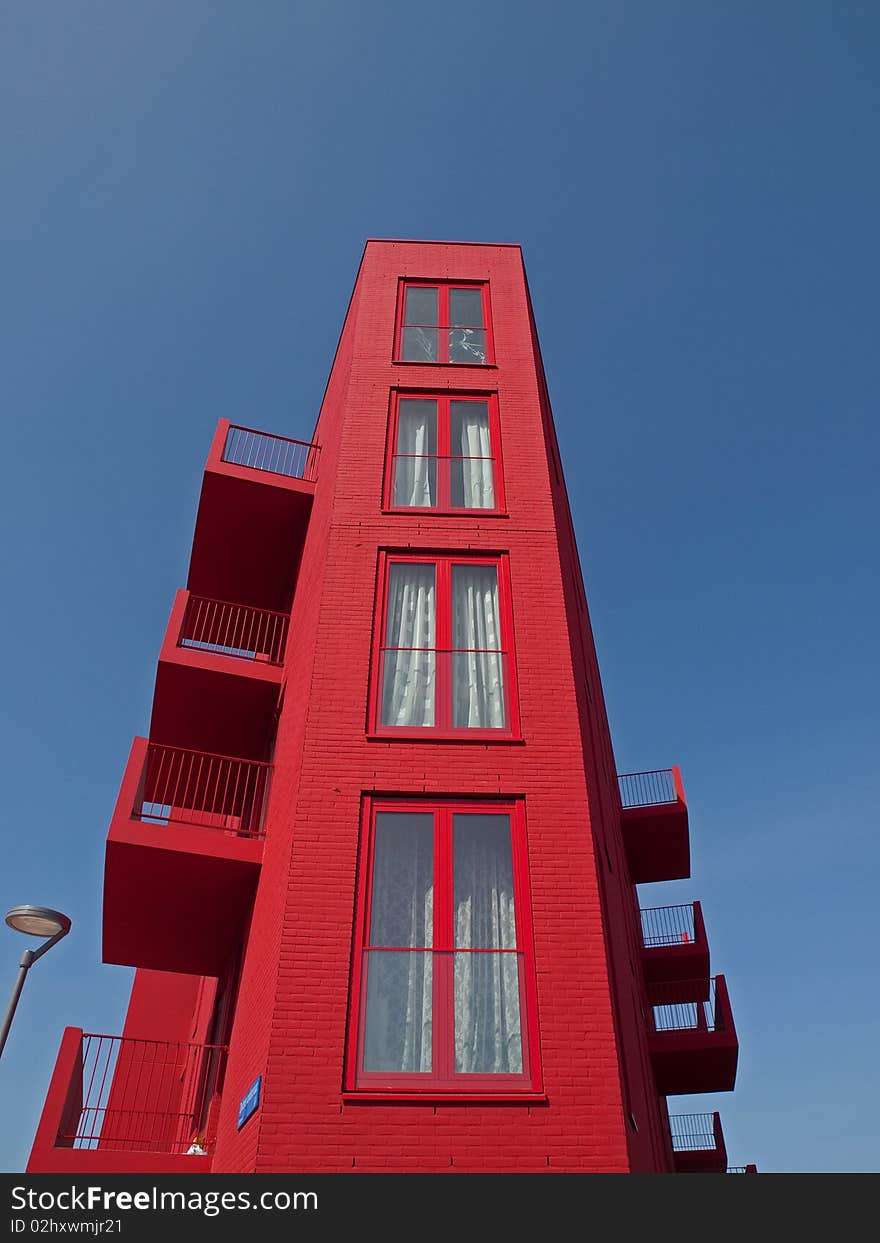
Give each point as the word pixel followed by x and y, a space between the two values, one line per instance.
pixel 38 921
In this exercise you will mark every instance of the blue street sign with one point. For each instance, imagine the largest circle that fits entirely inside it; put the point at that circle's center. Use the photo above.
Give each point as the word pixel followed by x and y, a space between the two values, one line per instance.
pixel 249 1101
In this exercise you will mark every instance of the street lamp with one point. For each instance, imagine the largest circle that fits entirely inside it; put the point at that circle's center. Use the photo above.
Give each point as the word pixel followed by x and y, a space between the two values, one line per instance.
pixel 35 921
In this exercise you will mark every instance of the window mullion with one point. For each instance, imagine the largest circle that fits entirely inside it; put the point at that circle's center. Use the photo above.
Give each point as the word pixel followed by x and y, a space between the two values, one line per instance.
pixel 444 466
pixel 443 329
pixel 395 445
pixel 444 1019
pixel 448 960
pixel 443 639
pixel 484 302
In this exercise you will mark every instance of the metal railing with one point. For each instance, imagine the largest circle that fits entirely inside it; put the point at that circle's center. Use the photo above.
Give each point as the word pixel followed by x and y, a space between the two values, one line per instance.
pixel 144 1096
pixel 233 630
pixel 674 1009
pixel 668 925
pixel 742 1169
pixel 278 455
pixel 693 1132
pixel 647 789
pixel 210 791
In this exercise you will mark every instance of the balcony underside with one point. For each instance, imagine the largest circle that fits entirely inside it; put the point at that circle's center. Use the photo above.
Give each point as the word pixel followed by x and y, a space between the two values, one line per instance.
pixel 249 535
pixel 175 895
pixel 701 1161
pixel 216 703
pixel 689 968
pixel 687 1062
pixel 657 842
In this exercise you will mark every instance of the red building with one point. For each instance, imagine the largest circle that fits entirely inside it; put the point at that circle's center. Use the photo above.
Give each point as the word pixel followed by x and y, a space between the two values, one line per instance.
pixel 373 864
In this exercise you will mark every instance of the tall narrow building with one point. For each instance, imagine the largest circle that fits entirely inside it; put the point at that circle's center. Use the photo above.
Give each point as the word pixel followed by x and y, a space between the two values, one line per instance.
pixel 373 863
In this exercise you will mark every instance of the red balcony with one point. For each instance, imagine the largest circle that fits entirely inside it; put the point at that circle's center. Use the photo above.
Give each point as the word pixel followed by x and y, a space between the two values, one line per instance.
pixel 219 676
pixel 117 1105
pixel 655 825
pixel 698 1143
pixel 253 512
pixel 693 1044
pixel 183 857
pixel 674 946
pixel 742 1169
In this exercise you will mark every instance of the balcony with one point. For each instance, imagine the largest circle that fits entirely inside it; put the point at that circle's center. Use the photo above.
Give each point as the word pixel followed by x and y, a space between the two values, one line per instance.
pixel 698 1143
pixel 219 676
pixel 183 857
pixel 693 1044
pixel 742 1169
pixel 253 513
pixel 674 946
pixel 117 1105
pixel 654 819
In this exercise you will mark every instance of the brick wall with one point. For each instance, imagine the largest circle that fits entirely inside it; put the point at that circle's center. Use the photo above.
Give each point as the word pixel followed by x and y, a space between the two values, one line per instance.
pixel 292 1012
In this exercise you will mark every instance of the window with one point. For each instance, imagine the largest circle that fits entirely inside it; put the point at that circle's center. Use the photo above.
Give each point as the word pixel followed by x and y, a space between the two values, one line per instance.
pixel 443 980
pixel 443 652
pixel 444 453
pixel 444 323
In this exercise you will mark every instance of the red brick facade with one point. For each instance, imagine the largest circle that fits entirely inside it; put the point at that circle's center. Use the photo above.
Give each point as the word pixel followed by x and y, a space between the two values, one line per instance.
pixel 598 1106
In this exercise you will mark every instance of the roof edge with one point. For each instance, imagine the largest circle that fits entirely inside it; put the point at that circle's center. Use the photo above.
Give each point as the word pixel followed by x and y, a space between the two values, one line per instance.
pixel 427 241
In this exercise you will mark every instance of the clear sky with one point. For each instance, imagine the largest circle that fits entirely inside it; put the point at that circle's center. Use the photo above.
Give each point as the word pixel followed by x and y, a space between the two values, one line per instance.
pixel 186 190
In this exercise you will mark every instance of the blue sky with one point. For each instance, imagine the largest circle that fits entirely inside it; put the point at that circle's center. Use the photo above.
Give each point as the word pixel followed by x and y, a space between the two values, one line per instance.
pixel 186 191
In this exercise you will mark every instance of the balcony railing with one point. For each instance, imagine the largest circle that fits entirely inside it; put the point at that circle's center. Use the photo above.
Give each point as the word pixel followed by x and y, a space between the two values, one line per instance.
pixel 693 1132
pixel 742 1169
pixel 143 1096
pixel 276 454
pixel 667 925
pixel 674 1009
pixel 210 791
pixel 647 789
pixel 234 630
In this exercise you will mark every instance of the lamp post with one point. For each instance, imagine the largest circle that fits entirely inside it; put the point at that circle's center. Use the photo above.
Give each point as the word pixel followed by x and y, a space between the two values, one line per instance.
pixel 35 921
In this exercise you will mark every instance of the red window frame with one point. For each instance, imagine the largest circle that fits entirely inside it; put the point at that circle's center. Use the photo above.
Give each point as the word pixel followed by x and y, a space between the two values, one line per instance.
pixel 443 727
pixel 442 1078
pixel 444 500
pixel 443 288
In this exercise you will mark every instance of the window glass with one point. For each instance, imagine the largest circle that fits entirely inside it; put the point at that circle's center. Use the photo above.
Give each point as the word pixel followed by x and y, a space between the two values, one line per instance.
pixel 444 323
pixel 401 912
pixel 442 657
pixel 483 882
pixel 467 340
pixel 420 336
pixel 488 1036
pixel 465 308
pixel 422 307
pixel 415 461
pixel 477 661
pixel 408 658
pixel 471 474
pixel 397 1027
pixel 443 974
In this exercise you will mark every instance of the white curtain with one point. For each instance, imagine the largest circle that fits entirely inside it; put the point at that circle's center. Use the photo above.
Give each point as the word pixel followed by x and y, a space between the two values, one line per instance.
pixel 477 661
pixel 488 1037
pixel 408 668
pixel 398 1033
pixel 398 1030
pixel 415 463
pixel 473 484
